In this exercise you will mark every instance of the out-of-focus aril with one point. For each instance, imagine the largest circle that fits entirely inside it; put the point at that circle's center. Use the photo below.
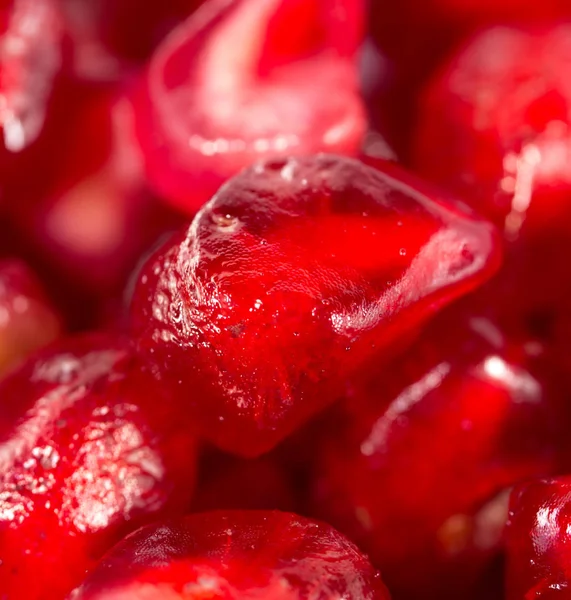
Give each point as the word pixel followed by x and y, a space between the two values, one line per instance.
pixel 31 34
pixel 247 80
pixel 417 465
pixel 27 319
pixel 89 450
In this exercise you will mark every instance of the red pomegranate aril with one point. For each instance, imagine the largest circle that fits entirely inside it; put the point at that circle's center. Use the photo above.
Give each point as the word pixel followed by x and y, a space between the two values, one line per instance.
pixel 538 541
pixel 494 126
pixel 495 130
pixel 94 218
pixel 235 555
pixel 98 216
pixel 411 29
pixel 30 58
pixel 416 467
pixel 282 286
pixel 211 104
pixel 89 451
pixel 27 319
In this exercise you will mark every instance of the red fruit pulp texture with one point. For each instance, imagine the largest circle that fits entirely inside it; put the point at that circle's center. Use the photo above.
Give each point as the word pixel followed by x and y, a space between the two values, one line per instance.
pixel 302 280
pixel 295 275
pixel 65 110
pixel 235 555
pixel 538 541
pixel 247 80
pixel 417 466
pixel 89 451
pixel 30 58
pixel 27 319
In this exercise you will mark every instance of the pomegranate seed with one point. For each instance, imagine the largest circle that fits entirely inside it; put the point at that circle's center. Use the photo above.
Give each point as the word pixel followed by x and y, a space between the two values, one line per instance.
pixel 27 319
pixel 295 274
pixel 417 466
pixel 110 37
pixel 235 554
pixel 30 58
pixel 212 104
pixel 538 540
pixel 89 451
pixel 495 130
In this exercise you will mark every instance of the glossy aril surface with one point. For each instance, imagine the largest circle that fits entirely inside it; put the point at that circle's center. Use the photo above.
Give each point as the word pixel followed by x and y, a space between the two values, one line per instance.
pixel 295 275
pixel 28 321
pixel 88 452
pixel 282 317
pixel 212 104
pixel 235 555
pixel 417 466
pixel 538 537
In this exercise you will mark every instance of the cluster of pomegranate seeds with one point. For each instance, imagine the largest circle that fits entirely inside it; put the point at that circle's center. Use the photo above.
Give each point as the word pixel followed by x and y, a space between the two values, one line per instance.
pixel 417 464
pixel 285 255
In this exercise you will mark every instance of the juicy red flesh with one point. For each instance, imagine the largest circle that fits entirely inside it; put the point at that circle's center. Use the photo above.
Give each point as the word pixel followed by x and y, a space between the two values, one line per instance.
pixel 417 466
pixel 538 540
pixel 88 452
pixel 27 319
pixel 235 555
pixel 212 104
pixel 294 276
